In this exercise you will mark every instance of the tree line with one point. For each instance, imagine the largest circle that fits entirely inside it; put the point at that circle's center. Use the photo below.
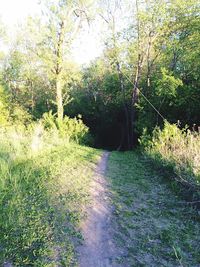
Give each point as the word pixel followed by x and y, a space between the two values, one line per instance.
pixel 148 70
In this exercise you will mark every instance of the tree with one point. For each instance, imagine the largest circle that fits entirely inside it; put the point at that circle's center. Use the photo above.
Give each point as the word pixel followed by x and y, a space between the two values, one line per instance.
pixel 173 62
pixel 54 35
pixel 149 26
pixel 114 53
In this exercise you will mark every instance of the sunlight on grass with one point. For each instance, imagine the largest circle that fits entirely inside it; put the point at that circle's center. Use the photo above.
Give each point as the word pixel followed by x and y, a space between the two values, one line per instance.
pixel 43 192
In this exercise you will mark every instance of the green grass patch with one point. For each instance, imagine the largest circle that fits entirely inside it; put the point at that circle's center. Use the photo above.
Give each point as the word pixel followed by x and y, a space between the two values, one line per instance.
pixel 42 200
pixel 153 225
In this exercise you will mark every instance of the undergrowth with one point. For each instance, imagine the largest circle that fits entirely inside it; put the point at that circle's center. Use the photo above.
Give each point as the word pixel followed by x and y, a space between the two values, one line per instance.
pixel 176 150
pixel 44 183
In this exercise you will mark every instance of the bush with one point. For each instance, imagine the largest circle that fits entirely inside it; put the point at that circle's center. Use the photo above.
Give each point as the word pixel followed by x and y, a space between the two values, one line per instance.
pixel 71 129
pixel 176 148
pixel 19 115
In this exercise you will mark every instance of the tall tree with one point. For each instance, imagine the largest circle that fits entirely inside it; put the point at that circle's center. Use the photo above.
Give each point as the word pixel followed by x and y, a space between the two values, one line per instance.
pixel 115 51
pixel 149 26
pixel 55 33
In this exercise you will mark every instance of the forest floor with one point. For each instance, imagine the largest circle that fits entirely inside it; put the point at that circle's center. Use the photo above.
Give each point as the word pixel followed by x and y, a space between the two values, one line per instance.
pixel 137 218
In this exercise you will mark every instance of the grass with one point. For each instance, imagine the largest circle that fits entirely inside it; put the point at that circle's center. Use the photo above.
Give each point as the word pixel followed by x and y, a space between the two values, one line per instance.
pixel 176 149
pixel 44 188
pixel 42 199
pixel 153 226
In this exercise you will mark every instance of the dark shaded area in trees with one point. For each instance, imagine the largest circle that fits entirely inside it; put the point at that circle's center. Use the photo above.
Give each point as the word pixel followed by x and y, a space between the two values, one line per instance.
pixel 106 137
pixel 107 123
pixel 106 126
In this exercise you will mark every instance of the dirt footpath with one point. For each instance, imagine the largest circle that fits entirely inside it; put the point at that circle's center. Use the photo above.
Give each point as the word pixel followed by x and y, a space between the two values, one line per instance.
pixel 98 249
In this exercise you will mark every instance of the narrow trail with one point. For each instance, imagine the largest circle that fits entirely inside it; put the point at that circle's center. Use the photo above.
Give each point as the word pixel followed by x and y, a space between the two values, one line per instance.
pixel 98 249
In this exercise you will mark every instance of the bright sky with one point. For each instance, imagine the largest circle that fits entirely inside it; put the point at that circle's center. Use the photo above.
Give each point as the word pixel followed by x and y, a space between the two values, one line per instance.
pixel 89 44
pixel 87 48
pixel 13 11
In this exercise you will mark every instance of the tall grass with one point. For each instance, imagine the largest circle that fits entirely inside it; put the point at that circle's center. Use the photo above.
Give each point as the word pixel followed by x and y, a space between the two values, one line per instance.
pixel 44 183
pixel 178 149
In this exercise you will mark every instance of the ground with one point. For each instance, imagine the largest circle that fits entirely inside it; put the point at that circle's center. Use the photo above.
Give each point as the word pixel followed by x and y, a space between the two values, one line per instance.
pixel 147 223
pixel 99 249
pixel 78 206
pixel 153 224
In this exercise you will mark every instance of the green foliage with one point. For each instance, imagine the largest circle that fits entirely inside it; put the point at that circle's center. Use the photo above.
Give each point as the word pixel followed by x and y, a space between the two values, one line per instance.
pixel 167 84
pixel 101 102
pixel 4 114
pixel 49 120
pixel 38 66
pixel 25 83
pixel 19 115
pixel 145 139
pixel 74 129
pixel 70 129
pixel 176 148
pixel 171 63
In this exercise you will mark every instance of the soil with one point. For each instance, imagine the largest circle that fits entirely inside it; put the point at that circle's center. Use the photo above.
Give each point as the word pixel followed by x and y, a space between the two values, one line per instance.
pixel 98 249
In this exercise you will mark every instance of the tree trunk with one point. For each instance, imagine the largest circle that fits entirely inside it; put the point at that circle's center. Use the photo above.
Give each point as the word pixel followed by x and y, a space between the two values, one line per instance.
pixel 148 64
pixel 32 97
pixel 59 99
pixel 135 93
pixel 127 128
pixel 134 101
pixel 58 72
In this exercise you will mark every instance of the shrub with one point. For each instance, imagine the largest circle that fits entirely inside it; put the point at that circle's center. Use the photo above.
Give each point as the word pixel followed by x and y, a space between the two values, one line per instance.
pixel 20 115
pixel 176 148
pixel 71 129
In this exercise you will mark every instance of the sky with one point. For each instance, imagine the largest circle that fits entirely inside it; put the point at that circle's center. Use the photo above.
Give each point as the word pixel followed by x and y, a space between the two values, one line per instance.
pixel 14 11
pixel 86 48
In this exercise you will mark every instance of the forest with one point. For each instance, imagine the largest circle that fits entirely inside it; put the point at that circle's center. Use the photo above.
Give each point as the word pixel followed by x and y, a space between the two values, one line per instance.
pixel 136 105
